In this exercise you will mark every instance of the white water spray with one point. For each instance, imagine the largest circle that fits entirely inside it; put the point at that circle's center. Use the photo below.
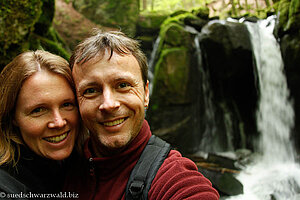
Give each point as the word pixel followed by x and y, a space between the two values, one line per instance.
pixel 151 64
pixel 275 175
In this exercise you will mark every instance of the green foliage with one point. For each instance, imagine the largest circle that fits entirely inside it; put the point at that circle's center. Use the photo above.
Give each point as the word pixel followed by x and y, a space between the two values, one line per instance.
pixel 151 19
pixel 172 5
pixel 293 15
pixel 53 47
pixel 232 8
pixel 179 19
pixel 171 76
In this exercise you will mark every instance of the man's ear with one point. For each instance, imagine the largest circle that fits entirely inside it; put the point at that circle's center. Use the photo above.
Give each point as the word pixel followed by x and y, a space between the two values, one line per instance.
pixel 147 95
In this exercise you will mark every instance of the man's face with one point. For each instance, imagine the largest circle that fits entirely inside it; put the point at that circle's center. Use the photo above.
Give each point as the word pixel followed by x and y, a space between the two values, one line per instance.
pixel 112 99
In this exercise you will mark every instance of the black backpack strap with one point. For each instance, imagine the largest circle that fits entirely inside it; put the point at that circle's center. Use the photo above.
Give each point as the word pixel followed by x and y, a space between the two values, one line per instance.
pixel 144 171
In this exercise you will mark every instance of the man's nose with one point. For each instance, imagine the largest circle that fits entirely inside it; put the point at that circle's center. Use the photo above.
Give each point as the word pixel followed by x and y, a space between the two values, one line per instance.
pixel 58 121
pixel 109 101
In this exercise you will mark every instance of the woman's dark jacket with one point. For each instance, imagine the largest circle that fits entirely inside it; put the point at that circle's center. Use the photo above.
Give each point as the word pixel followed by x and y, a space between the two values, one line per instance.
pixel 33 174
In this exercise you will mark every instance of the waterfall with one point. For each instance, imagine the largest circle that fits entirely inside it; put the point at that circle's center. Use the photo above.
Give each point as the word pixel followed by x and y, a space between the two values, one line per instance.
pixel 211 141
pixel 151 64
pixel 275 175
pixel 275 115
pixel 210 127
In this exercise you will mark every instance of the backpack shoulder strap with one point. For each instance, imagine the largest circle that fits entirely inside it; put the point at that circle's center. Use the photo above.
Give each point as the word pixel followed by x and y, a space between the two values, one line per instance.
pixel 143 173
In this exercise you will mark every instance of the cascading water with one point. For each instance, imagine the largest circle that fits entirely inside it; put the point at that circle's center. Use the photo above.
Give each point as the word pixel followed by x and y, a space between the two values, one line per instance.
pixel 210 140
pixel 275 175
pixel 151 63
pixel 210 129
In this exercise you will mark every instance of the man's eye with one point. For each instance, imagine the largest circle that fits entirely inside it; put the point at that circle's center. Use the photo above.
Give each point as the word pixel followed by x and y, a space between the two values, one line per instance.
pixel 89 91
pixel 123 85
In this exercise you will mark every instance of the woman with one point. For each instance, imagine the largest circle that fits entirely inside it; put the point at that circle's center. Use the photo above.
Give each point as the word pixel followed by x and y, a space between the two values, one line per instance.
pixel 39 122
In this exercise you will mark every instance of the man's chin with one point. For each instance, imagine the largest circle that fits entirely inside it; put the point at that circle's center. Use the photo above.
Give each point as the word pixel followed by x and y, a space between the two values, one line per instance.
pixel 111 147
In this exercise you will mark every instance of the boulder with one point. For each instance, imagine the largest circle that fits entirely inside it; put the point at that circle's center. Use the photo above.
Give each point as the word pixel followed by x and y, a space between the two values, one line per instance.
pixel 122 15
pixel 228 57
pixel 287 32
pixel 17 21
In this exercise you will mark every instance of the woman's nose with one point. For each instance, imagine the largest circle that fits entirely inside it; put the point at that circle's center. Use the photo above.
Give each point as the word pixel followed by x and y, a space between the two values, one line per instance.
pixel 58 121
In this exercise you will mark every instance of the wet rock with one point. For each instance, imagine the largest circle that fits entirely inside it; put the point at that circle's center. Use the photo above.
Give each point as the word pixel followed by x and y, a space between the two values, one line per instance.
pixel 221 171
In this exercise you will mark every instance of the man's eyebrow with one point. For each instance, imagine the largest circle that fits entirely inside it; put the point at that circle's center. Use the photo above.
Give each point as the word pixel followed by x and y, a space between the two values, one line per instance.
pixel 123 77
pixel 85 85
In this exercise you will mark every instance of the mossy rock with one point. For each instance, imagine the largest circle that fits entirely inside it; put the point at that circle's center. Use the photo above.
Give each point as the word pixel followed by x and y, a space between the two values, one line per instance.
pixel 289 17
pixel 178 19
pixel 171 77
pixel 45 21
pixel 178 12
pixel 113 13
pixel 201 12
pixel 149 22
pixel 283 9
pixel 293 23
pixel 174 35
pixel 17 21
pixel 39 42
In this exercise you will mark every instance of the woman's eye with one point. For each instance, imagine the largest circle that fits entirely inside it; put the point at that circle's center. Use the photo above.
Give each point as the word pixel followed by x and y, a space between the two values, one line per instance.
pixel 68 105
pixel 37 111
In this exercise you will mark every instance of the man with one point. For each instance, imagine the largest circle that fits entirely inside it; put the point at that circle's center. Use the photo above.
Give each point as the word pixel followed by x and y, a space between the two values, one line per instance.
pixel 110 74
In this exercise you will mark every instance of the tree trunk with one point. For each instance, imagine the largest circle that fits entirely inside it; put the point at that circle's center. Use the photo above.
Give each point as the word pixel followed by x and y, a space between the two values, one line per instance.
pixel 267 3
pixel 152 4
pixel 144 4
pixel 233 7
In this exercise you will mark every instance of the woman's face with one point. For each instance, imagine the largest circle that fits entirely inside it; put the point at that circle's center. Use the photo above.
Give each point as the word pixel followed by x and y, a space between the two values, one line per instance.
pixel 47 116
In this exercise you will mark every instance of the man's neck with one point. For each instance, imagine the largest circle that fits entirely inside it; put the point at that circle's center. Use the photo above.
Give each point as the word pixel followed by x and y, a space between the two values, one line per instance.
pixel 99 150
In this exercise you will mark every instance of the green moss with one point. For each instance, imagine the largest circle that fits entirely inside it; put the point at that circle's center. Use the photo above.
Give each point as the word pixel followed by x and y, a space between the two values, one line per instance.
pixel 17 21
pixel 45 20
pixel 171 76
pixel 283 9
pixel 201 12
pixel 178 19
pixel 174 35
pixel 151 20
pixel 53 47
pixel 293 16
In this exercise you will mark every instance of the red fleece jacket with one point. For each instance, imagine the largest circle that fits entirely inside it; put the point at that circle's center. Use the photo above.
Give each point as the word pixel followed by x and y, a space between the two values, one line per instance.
pixel 106 178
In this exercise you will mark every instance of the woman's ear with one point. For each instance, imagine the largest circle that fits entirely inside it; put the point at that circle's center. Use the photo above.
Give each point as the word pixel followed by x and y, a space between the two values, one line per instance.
pixel 15 123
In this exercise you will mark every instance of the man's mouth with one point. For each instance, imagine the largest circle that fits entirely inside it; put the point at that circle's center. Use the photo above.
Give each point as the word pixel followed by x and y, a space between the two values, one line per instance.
pixel 114 123
pixel 58 138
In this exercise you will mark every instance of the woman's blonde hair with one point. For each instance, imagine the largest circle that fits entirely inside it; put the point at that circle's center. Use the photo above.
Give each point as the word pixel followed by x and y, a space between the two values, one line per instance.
pixel 11 80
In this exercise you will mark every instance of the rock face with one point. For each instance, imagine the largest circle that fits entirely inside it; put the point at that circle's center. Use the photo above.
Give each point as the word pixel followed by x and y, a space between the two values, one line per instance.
pixel 228 58
pixel 113 13
pixel 288 33
pixel 27 25
pixel 17 21
pixel 203 98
